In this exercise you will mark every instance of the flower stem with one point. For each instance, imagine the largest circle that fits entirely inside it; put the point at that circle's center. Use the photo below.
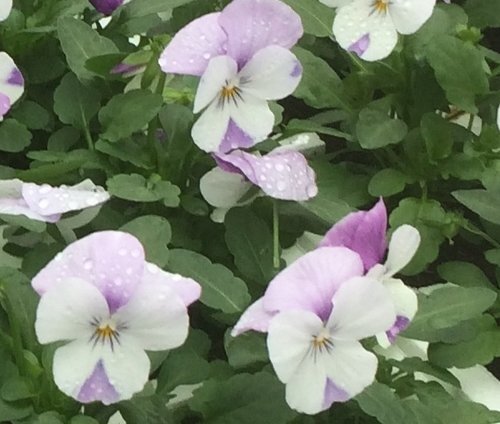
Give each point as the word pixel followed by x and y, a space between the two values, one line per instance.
pixel 86 131
pixel 276 235
pixel 153 125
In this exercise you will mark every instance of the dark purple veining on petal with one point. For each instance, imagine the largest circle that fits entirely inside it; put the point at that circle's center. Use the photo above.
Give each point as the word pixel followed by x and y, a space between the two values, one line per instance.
pixel 360 46
pixel 98 388
pixel 334 393
pixel 400 325
pixel 235 138
pixel 123 68
pixel 106 6
pixel 16 78
pixel 4 104
pixel 297 70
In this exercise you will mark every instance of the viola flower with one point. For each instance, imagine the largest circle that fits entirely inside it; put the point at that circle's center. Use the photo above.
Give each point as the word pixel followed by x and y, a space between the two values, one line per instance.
pixel 242 55
pixel 5 8
pixel 370 28
pixel 107 7
pixel 364 232
pixel 321 361
pixel 101 297
pixel 46 203
pixel 11 83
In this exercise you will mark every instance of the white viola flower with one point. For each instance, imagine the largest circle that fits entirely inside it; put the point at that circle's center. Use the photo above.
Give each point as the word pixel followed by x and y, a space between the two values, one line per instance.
pixel 46 203
pixel 109 305
pixel 323 361
pixel 5 9
pixel 11 83
pixel 370 28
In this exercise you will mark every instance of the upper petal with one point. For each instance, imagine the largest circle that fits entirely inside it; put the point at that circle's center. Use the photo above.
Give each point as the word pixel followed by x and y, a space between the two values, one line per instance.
pixel 256 318
pixel 402 247
pixel 11 79
pixel 409 15
pixel 251 25
pixel 65 311
pixel 273 73
pixel 311 281
pixel 193 46
pixel 363 232
pixel 5 8
pixel 113 261
pixel 362 307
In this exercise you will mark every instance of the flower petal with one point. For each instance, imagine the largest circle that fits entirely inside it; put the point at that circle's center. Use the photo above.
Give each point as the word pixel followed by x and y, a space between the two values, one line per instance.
pixel 65 311
pixel 404 298
pixel 362 307
pixel 223 189
pixel 409 15
pixel 235 138
pixel 273 73
pixel 402 247
pixel 193 46
pixel 106 6
pixel 357 19
pixel 113 261
pixel 363 232
pixel 11 79
pixel 98 388
pixel 5 8
pixel 254 318
pixel 311 281
pixel 46 200
pixel 251 25
pixel 155 316
pixel 209 130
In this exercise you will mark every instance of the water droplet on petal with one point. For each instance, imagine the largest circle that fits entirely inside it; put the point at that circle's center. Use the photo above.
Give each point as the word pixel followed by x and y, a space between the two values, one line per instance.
pixel 43 204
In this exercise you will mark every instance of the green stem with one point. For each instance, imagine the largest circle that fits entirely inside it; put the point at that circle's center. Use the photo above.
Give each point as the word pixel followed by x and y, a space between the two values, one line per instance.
pixel 276 236
pixel 153 125
pixel 86 131
pixel 359 63
pixel 15 328
pixel 478 232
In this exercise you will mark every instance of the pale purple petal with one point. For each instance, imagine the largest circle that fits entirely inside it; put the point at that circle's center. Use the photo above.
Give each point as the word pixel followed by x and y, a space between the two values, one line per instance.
pixel 106 6
pixel 360 46
pixel 363 232
pixel 193 46
pixel 254 24
pixel 125 69
pixel 280 174
pixel 235 138
pixel 16 78
pixel 334 393
pixel 4 104
pixel 311 281
pixel 256 318
pixel 11 80
pixel 400 325
pixel 113 261
pixel 98 388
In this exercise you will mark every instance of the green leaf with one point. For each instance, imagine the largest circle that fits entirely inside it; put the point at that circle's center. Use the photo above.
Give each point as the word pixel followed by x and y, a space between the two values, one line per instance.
pixel 14 137
pixel 437 134
pixel 139 8
pixel 387 182
pixel 251 243
pixel 316 17
pixel 446 54
pixel 82 419
pixel 154 232
pixel 246 350
pixel 17 388
pixel 127 150
pixel 412 365
pixel 483 13
pixel 79 43
pixel 145 410
pixel 483 202
pixel 379 401
pixel 120 117
pixel 242 399
pixel 74 103
pixel 220 288
pixel 376 129
pixel 32 115
pixel 464 274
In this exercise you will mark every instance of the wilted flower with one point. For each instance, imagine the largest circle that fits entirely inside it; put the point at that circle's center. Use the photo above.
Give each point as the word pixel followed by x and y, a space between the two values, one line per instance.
pixel 11 83
pixel 243 59
pixel 370 28
pixel 46 203
pixel 101 297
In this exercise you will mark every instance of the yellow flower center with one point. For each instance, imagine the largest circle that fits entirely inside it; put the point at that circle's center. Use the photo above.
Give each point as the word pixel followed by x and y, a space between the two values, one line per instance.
pixel 229 92
pixel 381 6
pixel 105 332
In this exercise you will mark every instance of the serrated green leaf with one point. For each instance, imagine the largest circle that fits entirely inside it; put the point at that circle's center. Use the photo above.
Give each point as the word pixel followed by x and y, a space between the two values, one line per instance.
pixel 14 136
pixel 376 129
pixel 387 182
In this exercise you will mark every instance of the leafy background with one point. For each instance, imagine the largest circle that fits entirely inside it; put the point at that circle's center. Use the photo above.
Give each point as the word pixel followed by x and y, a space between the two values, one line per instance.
pixel 404 128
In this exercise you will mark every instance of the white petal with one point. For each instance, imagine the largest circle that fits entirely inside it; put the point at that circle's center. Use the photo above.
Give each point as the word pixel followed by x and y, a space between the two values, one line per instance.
pixel 220 71
pixel 273 73
pixel 73 365
pixel 362 307
pixel 289 340
pixel 155 317
pixel 409 15
pixel 350 367
pixel 253 117
pixel 5 8
pixel 404 298
pixel 223 189
pixel 210 128
pixel 356 20
pixel 308 144
pixel 9 86
pixel 402 247
pixel 65 311
pixel 127 367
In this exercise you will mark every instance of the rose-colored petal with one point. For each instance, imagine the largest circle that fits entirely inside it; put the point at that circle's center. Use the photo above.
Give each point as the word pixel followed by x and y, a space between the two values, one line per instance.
pixel 363 232
pixel 113 261
pixel 311 281
pixel 252 25
pixel 193 46
pixel 280 174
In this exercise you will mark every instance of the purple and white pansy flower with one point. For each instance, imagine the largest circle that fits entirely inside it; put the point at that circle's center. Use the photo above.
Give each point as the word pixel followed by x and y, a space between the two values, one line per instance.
pixel 315 312
pixel 5 8
pixel 47 203
pixel 11 83
pixel 365 233
pixel 370 28
pixel 242 55
pixel 109 305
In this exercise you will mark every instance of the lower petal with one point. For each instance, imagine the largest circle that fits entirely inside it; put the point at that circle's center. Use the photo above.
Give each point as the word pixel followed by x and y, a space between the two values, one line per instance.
pixel 98 388
pixel 209 130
